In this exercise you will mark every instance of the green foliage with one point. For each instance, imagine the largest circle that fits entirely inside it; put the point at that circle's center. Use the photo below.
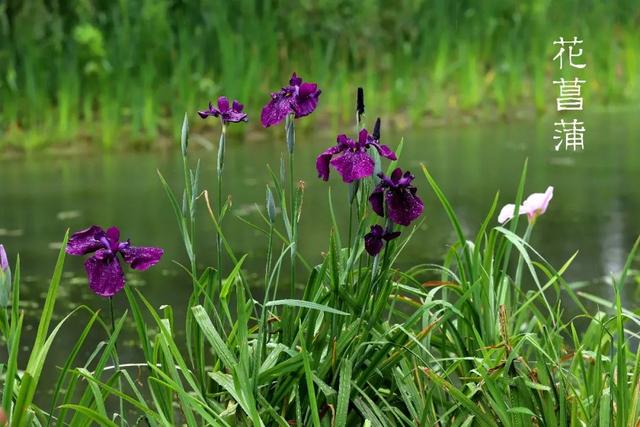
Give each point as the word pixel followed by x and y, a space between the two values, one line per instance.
pixel 128 69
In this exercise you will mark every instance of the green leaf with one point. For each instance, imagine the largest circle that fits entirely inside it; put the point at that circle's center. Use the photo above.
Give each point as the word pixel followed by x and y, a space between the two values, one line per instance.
pixel 306 304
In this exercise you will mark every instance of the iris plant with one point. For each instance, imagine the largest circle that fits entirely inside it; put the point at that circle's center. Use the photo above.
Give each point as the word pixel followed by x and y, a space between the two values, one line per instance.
pixel 298 98
pixel 103 268
pixel 227 113
pixel 5 278
pixel 351 158
pixel 397 198
pixel 534 205
pixel 374 240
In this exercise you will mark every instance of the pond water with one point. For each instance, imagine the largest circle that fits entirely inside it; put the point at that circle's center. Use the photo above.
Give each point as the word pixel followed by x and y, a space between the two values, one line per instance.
pixel 595 210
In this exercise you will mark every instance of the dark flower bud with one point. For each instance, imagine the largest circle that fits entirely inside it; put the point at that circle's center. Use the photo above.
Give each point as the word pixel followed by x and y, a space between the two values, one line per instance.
pixel 360 102
pixel 376 130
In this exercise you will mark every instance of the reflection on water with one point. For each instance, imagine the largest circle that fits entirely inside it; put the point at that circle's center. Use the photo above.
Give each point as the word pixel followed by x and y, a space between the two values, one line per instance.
pixel 594 210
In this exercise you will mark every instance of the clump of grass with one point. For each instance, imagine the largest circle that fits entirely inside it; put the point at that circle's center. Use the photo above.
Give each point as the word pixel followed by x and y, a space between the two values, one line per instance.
pixel 477 340
pixel 130 68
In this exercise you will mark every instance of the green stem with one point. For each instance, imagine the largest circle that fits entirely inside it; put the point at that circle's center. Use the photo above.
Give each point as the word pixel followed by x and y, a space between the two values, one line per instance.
pixel 115 359
pixel 220 166
pixel 113 328
pixel 526 237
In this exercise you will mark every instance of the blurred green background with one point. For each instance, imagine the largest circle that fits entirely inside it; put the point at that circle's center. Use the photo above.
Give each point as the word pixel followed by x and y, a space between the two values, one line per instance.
pixel 122 73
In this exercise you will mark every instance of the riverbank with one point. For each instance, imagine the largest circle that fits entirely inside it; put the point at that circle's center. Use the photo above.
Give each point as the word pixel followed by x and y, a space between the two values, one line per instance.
pixel 78 77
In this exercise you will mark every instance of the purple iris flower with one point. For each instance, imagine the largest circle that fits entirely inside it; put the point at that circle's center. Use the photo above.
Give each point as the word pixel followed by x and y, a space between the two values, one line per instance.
pixel 229 114
pixel 374 240
pixel 399 197
pixel 353 161
pixel 104 272
pixel 4 262
pixel 298 98
pixel 5 278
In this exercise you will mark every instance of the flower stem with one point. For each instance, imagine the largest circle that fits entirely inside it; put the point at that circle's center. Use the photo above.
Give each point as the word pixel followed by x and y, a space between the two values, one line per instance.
pixel 113 329
pixel 290 132
pixel 116 362
pixel 220 166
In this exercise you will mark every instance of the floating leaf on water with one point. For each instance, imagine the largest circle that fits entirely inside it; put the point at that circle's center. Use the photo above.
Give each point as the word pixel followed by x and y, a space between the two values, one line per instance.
pixel 562 161
pixel 65 215
pixel 250 182
pixel 10 233
pixel 245 210
pixel 167 272
pixel 78 280
pixel 55 245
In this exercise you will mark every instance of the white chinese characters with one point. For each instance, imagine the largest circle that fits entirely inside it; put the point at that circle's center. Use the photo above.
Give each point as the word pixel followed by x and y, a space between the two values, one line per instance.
pixel 569 133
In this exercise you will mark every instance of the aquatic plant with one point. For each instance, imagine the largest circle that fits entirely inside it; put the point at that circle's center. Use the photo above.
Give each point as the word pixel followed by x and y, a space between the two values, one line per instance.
pixel 533 206
pixel 103 268
pixel 350 158
pixel 5 278
pixel 365 341
pixel 299 99
pixel 395 197
pixel 374 240
pixel 227 113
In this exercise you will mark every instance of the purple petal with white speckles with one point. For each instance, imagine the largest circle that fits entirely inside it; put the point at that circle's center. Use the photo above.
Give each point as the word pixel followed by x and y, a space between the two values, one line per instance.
pixel 307 99
pixel 322 161
pixel 384 151
pixel 105 275
pixel 277 109
pixel 85 241
pixel 234 117
pixel 141 258
pixel 402 206
pixel 352 166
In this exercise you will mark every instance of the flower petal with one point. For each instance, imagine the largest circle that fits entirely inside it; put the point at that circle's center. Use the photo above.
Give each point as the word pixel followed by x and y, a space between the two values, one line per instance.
pixel 105 275
pixel 373 242
pixel 307 99
pixel 390 236
pixel 353 165
pixel 85 241
pixel 141 258
pixel 204 114
pixel 322 161
pixel 506 213
pixel 307 89
pixel 396 175
pixel 4 262
pixel 277 109
pixel 237 107
pixel 362 137
pixel 113 234
pixel 295 80
pixel 537 203
pixel 345 141
pixel 403 206
pixel 376 200
pixel 223 104
pixel 384 150
pixel 234 117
